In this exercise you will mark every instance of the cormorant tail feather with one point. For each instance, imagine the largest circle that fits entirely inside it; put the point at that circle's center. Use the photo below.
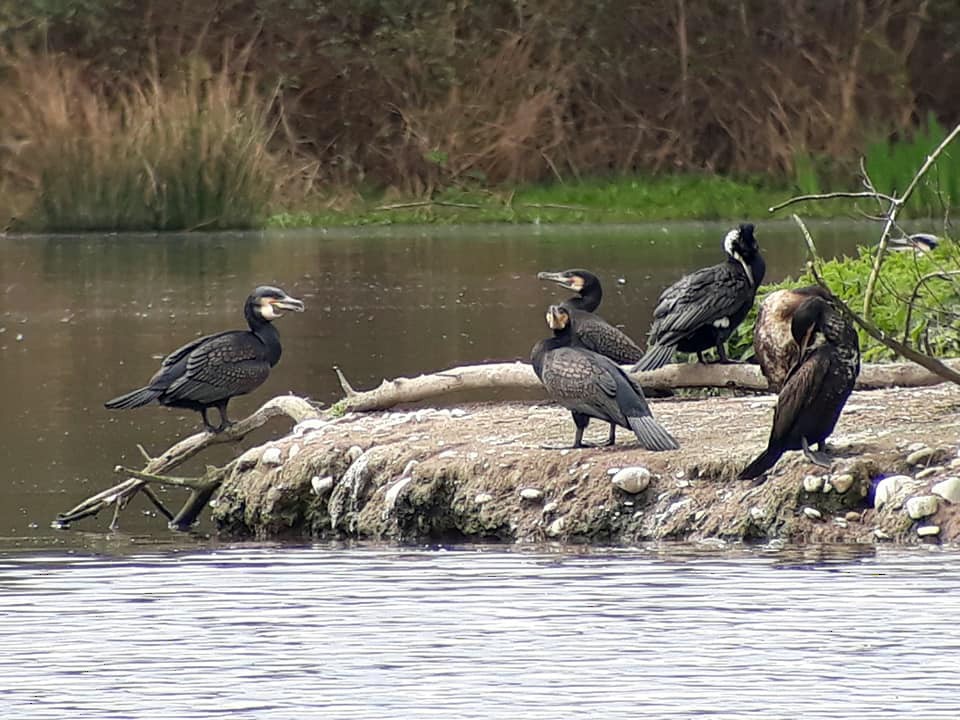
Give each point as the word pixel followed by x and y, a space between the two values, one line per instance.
pixel 651 434
pixel 133 399
pixel 656 357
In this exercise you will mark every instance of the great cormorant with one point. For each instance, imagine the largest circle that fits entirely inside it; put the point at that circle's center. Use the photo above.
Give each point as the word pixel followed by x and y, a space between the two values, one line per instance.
pixel 702 309
pixel 592 331
pixel 590 385
pixel 207 372
pixel 773 343
pixel 817 387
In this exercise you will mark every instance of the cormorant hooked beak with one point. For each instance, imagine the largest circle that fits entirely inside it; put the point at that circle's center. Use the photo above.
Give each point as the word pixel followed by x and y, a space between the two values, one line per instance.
pixel 271 306
pixel 571 282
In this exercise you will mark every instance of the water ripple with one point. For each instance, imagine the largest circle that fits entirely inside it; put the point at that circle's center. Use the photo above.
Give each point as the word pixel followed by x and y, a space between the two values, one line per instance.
pixel 363 633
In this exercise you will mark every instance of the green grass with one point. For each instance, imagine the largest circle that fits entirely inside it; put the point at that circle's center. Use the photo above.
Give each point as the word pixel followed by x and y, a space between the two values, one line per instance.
pixel 619 200
pixel 934 324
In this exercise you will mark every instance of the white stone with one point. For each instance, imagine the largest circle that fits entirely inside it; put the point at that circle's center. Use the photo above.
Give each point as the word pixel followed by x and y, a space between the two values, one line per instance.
pixel 842 482
pixel 840 522
pixel 482 498
pixel 922 506
pixel 699 515
pixel 813 483
pixel 422 415
pixel 918 456
pixel 852 516
pixel 321 485
pixel 632 480
pixel 353 453
pixel 550 507
pixel 888 489
pixel 812 513
pixel 948 489
pixel 448 454
pixel 955 463
pixel 613 470
pixel 556 527
pixel 928 530
pixel 530 493
pixel 683 483
pixel 757 513
pixel 929 472
pixel 914 446
pixel 293 451
pixel 827 487
pixel 881 534
pixel 272 456
pixel 458 413
pixel 390 498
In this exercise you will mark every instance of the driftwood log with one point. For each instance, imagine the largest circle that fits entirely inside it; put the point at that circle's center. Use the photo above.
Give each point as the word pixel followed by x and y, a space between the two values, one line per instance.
pixel 520 376
pixel 202 488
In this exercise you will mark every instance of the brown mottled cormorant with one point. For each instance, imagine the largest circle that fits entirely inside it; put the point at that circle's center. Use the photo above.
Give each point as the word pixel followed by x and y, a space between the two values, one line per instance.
pixel 702 309
pixel 207 372
pixel 817 387
pixel 773 343
pixel 590 385
pixel 592 331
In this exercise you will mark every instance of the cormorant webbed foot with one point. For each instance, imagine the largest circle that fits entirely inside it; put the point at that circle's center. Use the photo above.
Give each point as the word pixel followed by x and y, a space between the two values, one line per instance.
pixel 816 457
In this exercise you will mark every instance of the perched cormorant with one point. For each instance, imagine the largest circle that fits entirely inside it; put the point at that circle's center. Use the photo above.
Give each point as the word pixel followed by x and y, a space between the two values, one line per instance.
pixel 592 331
pixel 817 387
pixel 702 309
pixel 773 343
pixel 208 371
pixel 590 385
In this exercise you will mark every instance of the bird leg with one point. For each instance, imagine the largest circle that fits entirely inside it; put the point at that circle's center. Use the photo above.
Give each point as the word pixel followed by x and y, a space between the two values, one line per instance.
pixel 817 458
pixel 225 422
pixel 206 422
pixel 612 438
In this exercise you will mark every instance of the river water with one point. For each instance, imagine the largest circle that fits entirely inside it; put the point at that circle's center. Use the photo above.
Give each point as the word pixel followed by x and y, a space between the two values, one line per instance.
pixel 142 623
pixel 310 632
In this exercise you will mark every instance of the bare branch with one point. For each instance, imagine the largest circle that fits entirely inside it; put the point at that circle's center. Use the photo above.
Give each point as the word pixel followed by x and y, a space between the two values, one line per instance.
pixel 829 196
pixel 296 408
pixel 942 275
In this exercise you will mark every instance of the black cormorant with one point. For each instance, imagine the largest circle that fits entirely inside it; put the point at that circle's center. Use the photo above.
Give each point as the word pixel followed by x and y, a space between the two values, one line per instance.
pixel 817 387
pixel 592 331
pixel 207 372
pixel 702 309
pixel 590 385
pixel 773 343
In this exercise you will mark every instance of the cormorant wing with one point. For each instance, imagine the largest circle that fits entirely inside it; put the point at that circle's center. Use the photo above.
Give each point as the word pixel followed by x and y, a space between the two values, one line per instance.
pixel 700 298
pixel 227 364
pixel 802 386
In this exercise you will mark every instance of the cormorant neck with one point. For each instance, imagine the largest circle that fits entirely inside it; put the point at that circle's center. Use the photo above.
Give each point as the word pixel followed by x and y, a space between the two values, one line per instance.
pixel 588 299
pixel 266 332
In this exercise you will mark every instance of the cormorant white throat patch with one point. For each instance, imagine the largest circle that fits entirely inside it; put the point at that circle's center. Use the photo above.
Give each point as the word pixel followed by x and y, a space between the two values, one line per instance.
pixel 267 310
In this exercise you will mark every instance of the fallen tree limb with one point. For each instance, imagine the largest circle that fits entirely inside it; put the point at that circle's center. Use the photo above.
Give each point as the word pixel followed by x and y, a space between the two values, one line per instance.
pixel 520 376
pixel 296 408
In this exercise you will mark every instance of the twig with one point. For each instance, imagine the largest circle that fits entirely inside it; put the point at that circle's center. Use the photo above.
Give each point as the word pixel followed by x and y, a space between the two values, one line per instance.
pixel 896 204
pixel 344 383
pixel 829 196
pixel 427 203
pixel 943 275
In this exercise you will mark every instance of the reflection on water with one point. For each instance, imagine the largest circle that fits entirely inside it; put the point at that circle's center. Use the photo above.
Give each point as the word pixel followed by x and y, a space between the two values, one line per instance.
pixel 84 318
pixel 479 633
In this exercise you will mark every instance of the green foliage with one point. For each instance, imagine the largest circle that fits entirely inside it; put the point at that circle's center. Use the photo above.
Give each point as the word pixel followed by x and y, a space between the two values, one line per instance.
pixel 892 164
pixel 626 199
pixel 934 322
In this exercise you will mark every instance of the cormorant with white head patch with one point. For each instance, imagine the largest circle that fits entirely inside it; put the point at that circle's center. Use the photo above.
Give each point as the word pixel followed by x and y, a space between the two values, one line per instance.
pixel 702 309
pixel 207 372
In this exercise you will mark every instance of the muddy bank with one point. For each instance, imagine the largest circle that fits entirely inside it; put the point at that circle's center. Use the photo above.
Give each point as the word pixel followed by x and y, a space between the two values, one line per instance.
pixel 478 472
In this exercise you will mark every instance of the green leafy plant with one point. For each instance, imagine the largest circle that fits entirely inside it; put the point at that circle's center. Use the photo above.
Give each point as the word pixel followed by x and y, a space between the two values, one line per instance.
pixel 934 325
